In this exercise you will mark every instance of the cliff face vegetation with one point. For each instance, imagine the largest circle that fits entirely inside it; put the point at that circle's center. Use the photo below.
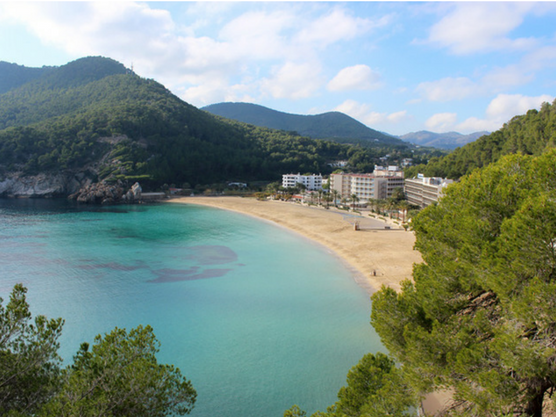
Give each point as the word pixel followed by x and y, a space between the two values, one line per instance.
pixel 530 134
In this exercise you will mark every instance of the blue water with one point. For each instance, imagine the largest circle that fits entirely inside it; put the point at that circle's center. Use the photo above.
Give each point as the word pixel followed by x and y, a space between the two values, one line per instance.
pixel 255 316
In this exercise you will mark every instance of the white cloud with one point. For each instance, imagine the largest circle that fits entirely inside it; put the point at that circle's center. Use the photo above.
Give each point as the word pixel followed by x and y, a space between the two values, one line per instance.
pixel 244 48
pixel 494 81
pixel 505 106
pixel 363 113
pixel 474 124
pixel 447 89
pixel 259 34
pixel 358 77
pixel 336 26
pixel 85 28
pixel 441 122
pixel 501 110
pixel 540 58
pixel 398 117
pixel 210 93
pixel 481 27
pixel 293 81
pixel 353 109
pixel 499 79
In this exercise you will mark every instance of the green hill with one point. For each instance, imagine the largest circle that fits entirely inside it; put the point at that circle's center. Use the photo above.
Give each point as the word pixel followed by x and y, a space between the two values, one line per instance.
pixel 13 75
pixel 94 116
pixel 333 126
pixel 530 134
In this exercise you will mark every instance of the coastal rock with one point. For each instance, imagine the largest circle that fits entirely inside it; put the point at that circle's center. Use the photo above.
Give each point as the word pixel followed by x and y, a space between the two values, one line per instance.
pixel 78 186
pixel 107 193
pixel 18 184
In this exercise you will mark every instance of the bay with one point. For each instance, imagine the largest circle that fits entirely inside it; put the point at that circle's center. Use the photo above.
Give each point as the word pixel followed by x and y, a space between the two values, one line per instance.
pixel 257 317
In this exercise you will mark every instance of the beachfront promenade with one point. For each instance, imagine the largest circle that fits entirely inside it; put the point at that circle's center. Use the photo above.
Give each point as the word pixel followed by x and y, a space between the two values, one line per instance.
pixel 379 256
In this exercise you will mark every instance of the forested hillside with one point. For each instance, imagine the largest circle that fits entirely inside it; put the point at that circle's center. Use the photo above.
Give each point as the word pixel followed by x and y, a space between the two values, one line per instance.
pixel 477 318
pixel 334 126
pixel 13 75
pixel 530 134
pixel 94 113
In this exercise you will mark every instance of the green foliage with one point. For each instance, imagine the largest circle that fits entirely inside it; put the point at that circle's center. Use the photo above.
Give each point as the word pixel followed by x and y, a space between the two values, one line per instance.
pixel 375 388
pixel 29 363
pixel 480 315
pixel 531 134
pixel 119 376
pixel 294 411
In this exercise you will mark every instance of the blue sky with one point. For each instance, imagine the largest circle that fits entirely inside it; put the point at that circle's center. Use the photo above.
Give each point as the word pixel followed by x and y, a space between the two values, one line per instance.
pixel 397 67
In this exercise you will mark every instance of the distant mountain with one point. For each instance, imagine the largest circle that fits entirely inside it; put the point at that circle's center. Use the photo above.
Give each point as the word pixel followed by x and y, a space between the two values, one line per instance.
pixel 448 140
pixel 532 134
pixel 334 126
pixel 13 75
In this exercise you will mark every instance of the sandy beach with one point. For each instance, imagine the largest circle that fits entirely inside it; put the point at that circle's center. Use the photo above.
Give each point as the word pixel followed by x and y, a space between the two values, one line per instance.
pixel 379 256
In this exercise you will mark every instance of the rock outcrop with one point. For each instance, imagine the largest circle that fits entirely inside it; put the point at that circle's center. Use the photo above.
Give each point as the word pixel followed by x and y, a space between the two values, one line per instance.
pixel 17 184
pixel 108 193
pixel 76 186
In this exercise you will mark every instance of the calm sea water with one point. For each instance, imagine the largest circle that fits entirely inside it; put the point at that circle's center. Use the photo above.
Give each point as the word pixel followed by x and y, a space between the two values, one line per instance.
pixel 255 316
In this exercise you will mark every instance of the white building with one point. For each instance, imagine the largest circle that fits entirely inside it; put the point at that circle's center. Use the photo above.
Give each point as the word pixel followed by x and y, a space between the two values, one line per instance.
pixel 311 182
pixel 378 185
pixel 424 191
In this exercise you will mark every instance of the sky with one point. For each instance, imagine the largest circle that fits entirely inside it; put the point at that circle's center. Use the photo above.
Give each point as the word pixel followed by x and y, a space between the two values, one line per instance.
pixel 397 67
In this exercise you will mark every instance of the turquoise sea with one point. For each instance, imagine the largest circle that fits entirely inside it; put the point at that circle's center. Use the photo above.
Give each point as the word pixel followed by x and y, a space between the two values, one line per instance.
pixel 257 317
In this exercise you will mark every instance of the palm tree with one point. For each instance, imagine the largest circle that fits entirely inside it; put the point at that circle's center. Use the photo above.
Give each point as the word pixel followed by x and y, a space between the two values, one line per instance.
pixel 327 197
pixel 373 203
pixel 354 199
pixel 391 204
pixel 380 205
pixel 335 197
pixel 403 206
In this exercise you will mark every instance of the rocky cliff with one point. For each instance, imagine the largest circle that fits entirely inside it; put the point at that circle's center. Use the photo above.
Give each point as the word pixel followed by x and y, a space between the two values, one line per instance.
pixel 16 184
pixel 75 186
pixel 108 193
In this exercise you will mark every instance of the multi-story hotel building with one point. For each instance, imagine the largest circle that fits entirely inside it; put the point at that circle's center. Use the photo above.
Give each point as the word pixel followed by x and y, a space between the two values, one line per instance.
pixel 378 185
pixel 311 182
pixel 424 191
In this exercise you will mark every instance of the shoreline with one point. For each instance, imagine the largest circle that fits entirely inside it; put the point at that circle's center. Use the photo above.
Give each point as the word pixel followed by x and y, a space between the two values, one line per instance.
pixel 377 256
pixel 389 252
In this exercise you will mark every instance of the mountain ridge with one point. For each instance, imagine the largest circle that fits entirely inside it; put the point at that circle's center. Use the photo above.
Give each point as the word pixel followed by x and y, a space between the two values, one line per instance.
pixel 532 133
pixel 446 140
pixel 332 125
pixel 94 120
pixel 14 75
